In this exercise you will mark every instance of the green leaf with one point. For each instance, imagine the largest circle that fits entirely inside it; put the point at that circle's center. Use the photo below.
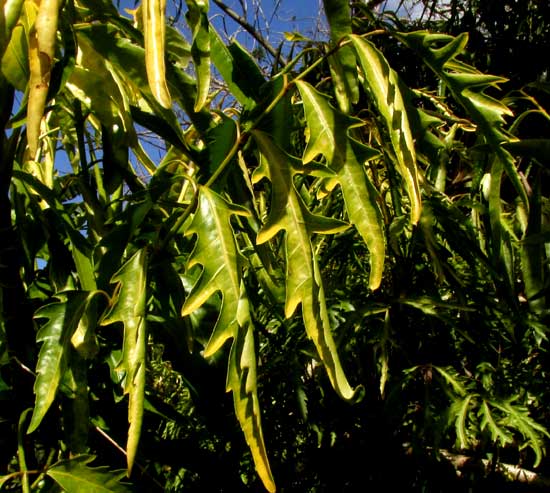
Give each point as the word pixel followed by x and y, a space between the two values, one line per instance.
pixel 381 81
pixel 467 87
pixel 329 135
pixel 64 318
pixel 461 409
pixel 241 380
pixel 75 476
pixel 498 433
pixel 129 308
pixel 216 250
pixel 197 17
pixel 154 32
pixel 11 10
pixel 240 73
pixel 342 64
pixel 303 279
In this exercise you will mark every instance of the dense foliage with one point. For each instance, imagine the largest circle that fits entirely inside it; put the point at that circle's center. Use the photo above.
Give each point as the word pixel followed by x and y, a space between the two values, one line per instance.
pixel 327 275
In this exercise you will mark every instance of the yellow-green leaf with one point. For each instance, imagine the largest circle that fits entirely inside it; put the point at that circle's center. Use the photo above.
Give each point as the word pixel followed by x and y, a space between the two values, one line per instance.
pixel 154 31
pixel 42 41
pixel 64 317
pixel 381 81
pixel 303 280
pixel 329 136
pixel 197 17
pixel 129 308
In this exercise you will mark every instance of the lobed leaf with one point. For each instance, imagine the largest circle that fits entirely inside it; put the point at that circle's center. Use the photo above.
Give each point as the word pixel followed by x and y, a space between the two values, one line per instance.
pixel 64 318
pixel 129 308
pixel 329 135
pixel 381 81
pixel 216 250
pixel 76 476
pixel 303 279
pixel 242 381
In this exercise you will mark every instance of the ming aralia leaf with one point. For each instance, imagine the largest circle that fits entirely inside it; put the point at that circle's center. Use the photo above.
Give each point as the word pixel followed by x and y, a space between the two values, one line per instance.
pixel 467 86
pixel 328 135
pixel 197 17
pixel 64 318
pixel 216 250
pixel 129 308
pixel 343 66
pixel 303 279
pixel 241 379
pixel 154 27
pixel 381 81
pixel 75 475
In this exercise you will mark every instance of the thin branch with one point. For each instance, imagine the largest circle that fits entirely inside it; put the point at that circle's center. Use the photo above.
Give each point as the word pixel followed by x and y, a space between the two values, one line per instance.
pixel 252 31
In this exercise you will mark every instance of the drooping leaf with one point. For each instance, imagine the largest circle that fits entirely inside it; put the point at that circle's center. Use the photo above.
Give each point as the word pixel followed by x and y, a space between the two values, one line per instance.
pixel 64 318
pixel 197 17
pixel 129 308
pixel 304 285
pixel 381 81
pixel 329 135
pixel 343 65
pixel 241 380
pixel 467 87
pixel 76 476
pixel 215 249
pixel 154 23
pixel 222 263
pixel 42 41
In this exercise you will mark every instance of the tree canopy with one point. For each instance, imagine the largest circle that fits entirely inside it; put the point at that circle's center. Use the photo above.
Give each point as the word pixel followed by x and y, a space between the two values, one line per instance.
pixel 315 266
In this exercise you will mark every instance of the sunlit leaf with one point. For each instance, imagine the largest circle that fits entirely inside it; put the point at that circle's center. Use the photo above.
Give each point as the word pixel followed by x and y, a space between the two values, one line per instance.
pixel 342 64
pixel 329 136
pixel 154 27
pixel 76 476
pixel 216 251
pixel 129 308
pixel 64 318
pixel 11 9
pixel 197 17
pixel 42 41
pixel 304 285
pixel 382 83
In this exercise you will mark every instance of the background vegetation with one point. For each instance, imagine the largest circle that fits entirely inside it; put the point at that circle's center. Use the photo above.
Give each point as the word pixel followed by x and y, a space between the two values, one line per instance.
pixel 320 265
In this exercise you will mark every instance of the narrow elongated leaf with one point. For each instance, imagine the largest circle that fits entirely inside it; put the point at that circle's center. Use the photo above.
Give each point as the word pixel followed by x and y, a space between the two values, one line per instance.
pixel 154 31
pixel 241 80
pixel 328 135
pixel 303 280
pixel 241 380
pixel 222 263
pixel 343 65
pixel 11 9
pixel 382 83
pixel 41 53
pixel 64 318
pixel 215 249
pixel 76 476
pixel 197 17
pixel 467 86
pixel 129 308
